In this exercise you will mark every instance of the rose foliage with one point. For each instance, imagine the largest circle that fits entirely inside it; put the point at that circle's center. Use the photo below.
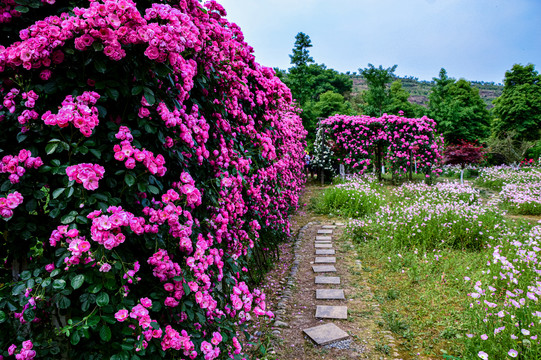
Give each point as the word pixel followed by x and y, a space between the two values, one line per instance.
pixel 148 164
pixel 391 140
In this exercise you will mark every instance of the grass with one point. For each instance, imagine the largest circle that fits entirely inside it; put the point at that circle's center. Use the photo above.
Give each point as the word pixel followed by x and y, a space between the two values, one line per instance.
pixel 452 275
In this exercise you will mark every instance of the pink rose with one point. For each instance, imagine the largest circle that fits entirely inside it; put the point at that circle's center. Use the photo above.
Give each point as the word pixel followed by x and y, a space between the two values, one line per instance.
pixel 121 315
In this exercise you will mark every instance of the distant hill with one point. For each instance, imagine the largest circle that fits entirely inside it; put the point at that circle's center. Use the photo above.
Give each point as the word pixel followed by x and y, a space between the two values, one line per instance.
pixel 419 90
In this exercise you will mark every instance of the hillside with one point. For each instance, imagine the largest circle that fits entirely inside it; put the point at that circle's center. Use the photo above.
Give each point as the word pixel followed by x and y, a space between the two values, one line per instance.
pixel 419 90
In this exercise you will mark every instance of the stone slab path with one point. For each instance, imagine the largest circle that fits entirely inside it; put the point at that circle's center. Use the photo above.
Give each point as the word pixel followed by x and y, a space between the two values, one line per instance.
pixel 336 327
pixel 323 268
pixel 325 334
pixel 332 312
pixel 325 260
pixel 330 332
pixel 325 252
pixel 334 280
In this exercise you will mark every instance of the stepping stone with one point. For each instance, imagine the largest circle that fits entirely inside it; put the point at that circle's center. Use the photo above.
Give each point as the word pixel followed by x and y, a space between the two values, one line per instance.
pixel 329 226
pixel 326 334
pixel 329 238
pixel 324 231
pixel 330 294
pixel 340 224
pixel 332 312
pixel 323 242
pixel 328 280
pixel 323 246
pixel 325 260
pixel 323 268
pixel 325 252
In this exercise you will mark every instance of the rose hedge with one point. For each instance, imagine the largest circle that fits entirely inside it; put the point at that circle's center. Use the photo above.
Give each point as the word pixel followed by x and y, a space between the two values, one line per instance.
pixel 401 141
pixel 148 162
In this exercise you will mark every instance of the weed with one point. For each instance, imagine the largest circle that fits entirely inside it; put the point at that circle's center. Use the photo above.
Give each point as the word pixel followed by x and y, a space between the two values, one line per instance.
pixel 383 348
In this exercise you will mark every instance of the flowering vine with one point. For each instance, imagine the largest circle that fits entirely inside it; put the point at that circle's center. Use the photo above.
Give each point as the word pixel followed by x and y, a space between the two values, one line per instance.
pixel 165 160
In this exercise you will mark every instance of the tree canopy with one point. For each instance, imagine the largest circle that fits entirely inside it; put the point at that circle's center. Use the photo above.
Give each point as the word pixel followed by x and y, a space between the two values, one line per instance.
pixel 519 106
pixel 377 96
pixel 458 109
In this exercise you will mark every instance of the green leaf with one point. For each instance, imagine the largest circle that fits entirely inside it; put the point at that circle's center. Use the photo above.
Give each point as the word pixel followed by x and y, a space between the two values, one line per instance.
pixel 129 180
pixel 105 333
pixel 58 192
pixel 59 284
pixel 153 189
pixel 50 148
pixel 67 219
pixel 187 289
pixel 21 9
pixel 112 93
pixel 149 96
pixel 93 320
pixel 55 272
pixel 64 303
pixel 77 281
pixel 21 137
pixel 102 299
pixel 31 205
pixel 3 316
pixel 29 315
pixel 100 66
pixel 25 275
pixel 75 338
pixel 136 90
pixel 18 289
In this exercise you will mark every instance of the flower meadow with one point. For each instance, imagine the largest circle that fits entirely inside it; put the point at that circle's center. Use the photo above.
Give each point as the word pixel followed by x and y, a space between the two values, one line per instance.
pixel 472 276
pixel 148 169
pixel 519 188
pixel 402 144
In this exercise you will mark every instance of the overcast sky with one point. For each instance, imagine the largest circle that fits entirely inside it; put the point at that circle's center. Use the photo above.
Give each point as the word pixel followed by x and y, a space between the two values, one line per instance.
pixel 471 39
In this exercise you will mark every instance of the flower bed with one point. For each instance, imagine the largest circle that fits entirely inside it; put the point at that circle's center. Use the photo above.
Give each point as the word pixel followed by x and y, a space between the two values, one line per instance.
pixel 149 168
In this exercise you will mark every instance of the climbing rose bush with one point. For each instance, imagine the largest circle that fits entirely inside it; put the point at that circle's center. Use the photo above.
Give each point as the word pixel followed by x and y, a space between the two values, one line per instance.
pixel 148 164
pixel 401 141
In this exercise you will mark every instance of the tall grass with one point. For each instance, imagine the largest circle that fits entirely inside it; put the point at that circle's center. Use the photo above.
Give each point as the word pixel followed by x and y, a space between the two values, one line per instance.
pixel 357 197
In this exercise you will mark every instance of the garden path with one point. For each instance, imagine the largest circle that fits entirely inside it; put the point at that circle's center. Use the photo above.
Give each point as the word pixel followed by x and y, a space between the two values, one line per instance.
pixel 326 287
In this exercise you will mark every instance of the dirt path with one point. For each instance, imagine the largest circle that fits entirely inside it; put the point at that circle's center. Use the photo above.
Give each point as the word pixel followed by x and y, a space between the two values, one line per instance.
pixel 295 301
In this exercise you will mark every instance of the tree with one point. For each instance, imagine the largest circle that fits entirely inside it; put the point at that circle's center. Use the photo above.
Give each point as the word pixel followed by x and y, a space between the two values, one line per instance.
pixel 458 109
pixel 308 81
pixel 301 56
pixel 519 106
pixel 463 153
pixel 377 96
pixel 331 103
pixel 398 97
pixel 298 77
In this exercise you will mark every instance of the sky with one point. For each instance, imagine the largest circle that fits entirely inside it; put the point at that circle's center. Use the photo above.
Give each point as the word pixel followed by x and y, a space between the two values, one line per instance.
pixel 472 39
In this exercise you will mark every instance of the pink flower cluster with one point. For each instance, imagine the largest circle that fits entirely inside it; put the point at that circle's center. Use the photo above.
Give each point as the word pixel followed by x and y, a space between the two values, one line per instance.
pixel 9 99
pixel 193 130
pixel 106 229
pixel 125 151
pixel 77 245
pixel 9 203
pixel 25 353
pixel 16 165
pixel 87 174
pixel 178 341
pixel 79 112
pixel 163 267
